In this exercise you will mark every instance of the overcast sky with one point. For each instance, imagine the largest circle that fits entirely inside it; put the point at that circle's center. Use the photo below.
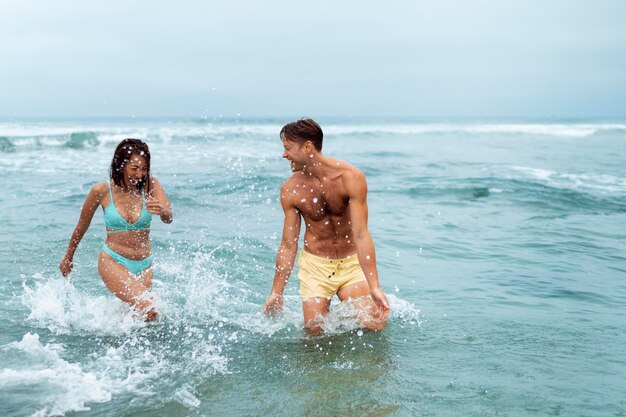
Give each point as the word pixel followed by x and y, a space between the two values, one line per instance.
pixel 490 58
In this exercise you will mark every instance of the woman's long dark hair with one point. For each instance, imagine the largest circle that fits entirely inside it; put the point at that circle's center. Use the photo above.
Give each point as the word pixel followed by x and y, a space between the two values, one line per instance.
pixel 124 151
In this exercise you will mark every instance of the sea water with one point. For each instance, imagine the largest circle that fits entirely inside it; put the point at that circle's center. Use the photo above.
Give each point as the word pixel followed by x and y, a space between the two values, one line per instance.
pixel 501 246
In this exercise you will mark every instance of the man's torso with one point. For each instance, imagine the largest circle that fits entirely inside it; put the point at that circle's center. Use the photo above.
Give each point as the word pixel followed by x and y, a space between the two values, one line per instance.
pixel 324 206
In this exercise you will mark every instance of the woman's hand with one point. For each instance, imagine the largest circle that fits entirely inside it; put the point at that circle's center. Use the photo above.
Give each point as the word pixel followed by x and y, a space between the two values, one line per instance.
pixel 66 265
pixel 157 202
pixel 154 206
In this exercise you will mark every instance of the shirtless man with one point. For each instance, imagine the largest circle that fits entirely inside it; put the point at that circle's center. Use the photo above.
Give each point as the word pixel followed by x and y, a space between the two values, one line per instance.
pixel 338 255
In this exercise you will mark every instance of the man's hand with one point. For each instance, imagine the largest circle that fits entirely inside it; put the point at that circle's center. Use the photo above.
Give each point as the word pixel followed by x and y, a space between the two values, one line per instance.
pixel 66 266
pixel 380 299
pixel 274 304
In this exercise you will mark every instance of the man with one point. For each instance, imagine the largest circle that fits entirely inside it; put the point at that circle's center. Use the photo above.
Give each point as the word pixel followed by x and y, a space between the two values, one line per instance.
pixel 338 255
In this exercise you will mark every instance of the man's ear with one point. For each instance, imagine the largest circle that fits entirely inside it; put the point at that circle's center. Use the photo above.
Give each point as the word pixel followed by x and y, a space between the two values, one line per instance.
pixel 308 146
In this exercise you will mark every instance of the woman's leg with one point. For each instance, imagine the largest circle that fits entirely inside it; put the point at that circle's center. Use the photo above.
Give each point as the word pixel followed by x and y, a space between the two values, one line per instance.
pixel 126 286
pixel 146 277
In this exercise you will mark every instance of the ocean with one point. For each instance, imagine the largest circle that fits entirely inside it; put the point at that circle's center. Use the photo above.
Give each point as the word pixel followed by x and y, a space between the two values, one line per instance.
pixel 501 246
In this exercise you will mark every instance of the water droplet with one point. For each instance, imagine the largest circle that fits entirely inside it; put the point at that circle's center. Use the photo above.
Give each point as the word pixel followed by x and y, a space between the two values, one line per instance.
pixel 359 333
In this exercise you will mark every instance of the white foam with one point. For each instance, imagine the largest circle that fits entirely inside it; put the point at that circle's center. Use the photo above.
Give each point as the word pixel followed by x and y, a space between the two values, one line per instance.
pixel 606 184
pixel 186 288
pixel 62 386
pixel 134 367
pixel 184 396
pixel 344 366
pixel 344 317
pixel 202 311
pixel 573 130
pixel 137 366
pixel 190 291
pixel 538 173
pixel 403 311
pixel 55 304
pixel 208 297
pixel 52 133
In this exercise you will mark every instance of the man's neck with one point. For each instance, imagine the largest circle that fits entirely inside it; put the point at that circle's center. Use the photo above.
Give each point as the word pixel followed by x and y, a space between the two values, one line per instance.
pixel 317 167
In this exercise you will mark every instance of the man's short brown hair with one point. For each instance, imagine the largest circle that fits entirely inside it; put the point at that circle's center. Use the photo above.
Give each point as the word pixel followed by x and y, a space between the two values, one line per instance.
pixel 302 130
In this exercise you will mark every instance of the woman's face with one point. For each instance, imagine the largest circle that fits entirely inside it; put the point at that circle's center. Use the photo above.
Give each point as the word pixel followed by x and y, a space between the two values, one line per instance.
pixel 134 171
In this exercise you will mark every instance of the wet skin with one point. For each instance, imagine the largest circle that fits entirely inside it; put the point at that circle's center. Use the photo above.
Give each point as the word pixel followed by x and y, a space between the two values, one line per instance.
pixel 330 197
pixel 132 244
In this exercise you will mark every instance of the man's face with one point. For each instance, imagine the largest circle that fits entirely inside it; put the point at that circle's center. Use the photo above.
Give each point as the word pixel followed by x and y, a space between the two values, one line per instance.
pixel 294 152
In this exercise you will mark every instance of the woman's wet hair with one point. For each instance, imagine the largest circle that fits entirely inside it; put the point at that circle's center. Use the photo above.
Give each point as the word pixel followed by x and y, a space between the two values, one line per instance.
pixel 303 130
pixel 123 154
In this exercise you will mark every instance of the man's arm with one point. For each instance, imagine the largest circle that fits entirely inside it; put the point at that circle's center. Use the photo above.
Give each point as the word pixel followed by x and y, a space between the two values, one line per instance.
pixel 357 191
pixel 287 251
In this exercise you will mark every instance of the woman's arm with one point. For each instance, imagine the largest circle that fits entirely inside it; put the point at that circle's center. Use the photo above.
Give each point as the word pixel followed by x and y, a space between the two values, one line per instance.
pixel 158 203
pixel 89 208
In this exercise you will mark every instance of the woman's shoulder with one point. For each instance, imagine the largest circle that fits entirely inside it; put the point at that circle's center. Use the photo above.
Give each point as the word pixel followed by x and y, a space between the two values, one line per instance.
pixel 99 189
pixel 154 181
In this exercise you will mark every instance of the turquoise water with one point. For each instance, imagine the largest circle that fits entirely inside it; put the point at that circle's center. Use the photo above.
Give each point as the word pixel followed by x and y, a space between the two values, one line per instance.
pixel 501 246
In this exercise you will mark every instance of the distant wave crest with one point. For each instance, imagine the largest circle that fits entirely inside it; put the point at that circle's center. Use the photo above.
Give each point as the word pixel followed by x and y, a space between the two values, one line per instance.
pixel 16 136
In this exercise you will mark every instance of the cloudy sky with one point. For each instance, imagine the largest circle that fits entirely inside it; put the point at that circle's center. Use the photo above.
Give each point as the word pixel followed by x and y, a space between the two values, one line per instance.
pixel 480 58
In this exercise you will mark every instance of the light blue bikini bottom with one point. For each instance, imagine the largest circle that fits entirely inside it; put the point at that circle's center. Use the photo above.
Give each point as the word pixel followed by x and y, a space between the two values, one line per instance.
pixel 135 267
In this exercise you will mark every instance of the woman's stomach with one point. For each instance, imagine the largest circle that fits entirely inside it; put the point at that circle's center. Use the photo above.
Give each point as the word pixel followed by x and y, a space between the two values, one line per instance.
pixel 131 244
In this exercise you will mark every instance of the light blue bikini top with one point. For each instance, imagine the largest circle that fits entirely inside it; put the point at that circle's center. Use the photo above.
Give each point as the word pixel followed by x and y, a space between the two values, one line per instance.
pixel 114 220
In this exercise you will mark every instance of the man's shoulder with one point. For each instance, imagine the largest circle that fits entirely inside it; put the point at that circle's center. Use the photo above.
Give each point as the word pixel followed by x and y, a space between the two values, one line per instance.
pixel 290 182
pixel 354 181
pixel 289 187
pixel 352 173
pixel 345 167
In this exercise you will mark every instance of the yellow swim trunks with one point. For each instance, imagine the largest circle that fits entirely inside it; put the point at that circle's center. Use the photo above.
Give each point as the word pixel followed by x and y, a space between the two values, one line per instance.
pixel 323 277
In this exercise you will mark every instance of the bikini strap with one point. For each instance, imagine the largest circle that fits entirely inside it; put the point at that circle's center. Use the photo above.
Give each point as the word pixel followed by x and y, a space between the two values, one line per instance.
pixel 110 192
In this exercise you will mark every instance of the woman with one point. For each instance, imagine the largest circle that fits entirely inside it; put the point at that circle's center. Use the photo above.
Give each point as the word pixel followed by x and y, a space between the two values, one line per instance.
pixel 128 199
